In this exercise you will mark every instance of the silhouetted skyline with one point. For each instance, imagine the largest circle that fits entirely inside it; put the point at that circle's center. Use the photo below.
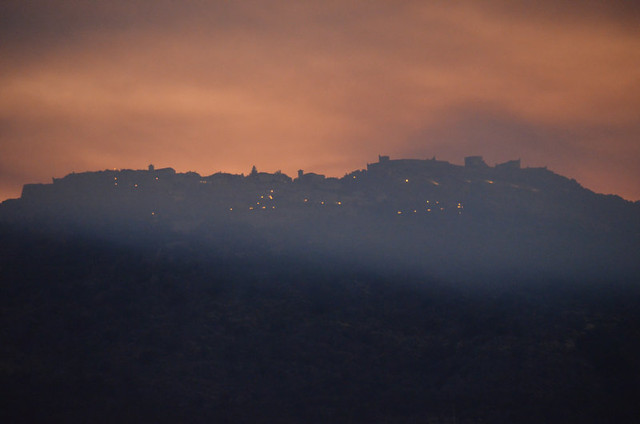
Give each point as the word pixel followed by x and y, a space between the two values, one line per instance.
pixel 424 215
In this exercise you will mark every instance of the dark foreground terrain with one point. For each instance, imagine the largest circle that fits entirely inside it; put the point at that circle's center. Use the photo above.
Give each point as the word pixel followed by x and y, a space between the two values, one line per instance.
pixel 171 331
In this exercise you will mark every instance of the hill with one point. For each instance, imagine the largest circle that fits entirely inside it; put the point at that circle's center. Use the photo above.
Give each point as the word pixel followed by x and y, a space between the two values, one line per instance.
pixel 426 215
pixel 410 291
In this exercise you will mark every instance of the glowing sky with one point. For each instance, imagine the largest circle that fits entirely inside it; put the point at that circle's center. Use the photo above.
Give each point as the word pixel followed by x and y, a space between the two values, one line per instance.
pixel 321 85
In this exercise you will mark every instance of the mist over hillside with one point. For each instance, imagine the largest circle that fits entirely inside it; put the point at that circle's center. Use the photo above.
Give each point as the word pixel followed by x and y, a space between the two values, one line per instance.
pixel 424 215
pixel 409 291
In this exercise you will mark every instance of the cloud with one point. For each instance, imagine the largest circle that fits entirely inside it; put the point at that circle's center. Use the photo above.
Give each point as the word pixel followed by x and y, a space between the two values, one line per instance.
pixel 325 86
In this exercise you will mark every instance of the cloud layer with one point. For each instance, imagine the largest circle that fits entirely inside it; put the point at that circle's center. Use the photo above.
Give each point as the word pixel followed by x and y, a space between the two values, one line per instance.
pixel 324 86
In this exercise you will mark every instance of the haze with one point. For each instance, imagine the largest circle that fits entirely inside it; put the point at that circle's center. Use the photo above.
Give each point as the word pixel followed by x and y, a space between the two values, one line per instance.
pixel 323 86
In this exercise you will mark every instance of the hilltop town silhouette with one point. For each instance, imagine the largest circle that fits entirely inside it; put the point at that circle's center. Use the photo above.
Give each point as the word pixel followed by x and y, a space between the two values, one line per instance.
pixel 402 186
pixel 415 212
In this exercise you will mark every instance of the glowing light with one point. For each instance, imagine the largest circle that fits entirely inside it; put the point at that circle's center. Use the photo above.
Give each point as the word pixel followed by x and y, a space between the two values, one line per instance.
pixel 271 190
pixel 135 185
pixel 399 212
pixel 428 210
pixel 262 197
pixel 489 181
pixel 250 207
pixel 270 197
pixel 322 203
pixel 339 203
pixel 406 180
pixel 153 213
pixel 264 207
pixel 415 211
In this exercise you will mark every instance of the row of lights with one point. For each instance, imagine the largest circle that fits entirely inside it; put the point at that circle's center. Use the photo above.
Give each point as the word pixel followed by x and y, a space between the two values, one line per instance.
pixel 428 210
pixel 434 182
pixel 115 181
pixel 431 208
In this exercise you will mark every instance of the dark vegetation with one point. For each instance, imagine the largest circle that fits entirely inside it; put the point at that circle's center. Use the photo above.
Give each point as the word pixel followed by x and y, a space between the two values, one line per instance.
pixel 513 295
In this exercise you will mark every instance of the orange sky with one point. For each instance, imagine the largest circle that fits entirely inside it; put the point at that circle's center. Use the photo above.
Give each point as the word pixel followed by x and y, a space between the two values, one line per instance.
pixel 325 86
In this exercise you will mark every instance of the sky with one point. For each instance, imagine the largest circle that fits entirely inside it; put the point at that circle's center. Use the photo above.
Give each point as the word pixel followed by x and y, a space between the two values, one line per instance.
pixel 323 86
